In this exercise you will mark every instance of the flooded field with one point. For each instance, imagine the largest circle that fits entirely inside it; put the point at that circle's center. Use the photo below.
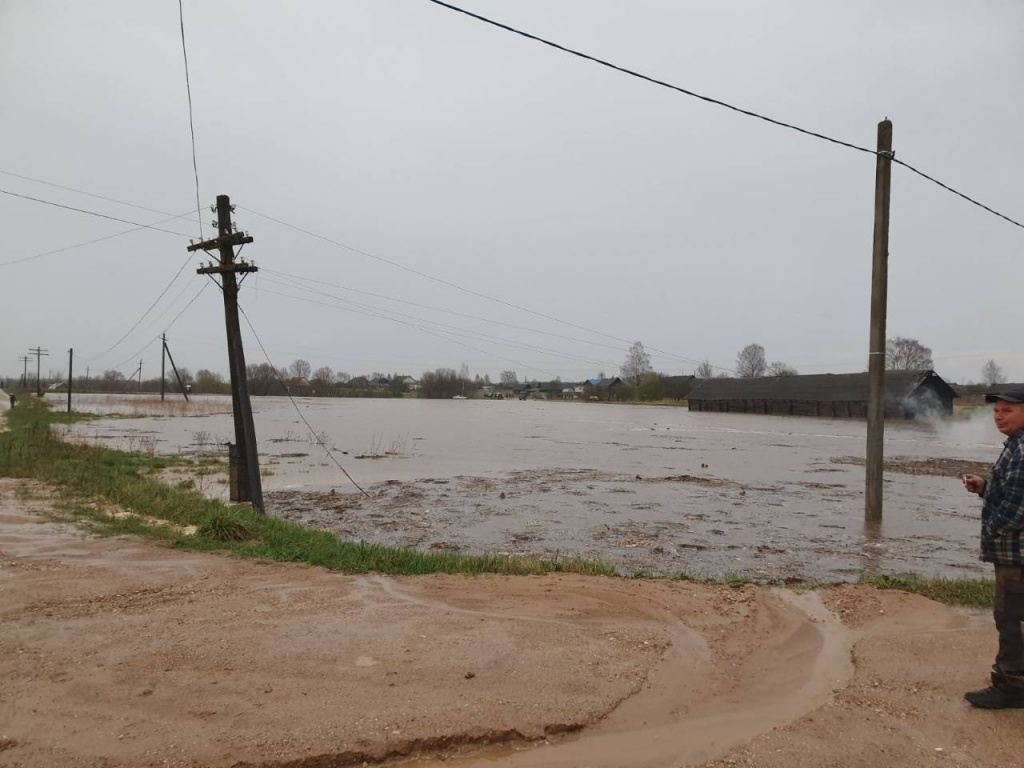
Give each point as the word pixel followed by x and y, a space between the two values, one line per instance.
pixel 647 489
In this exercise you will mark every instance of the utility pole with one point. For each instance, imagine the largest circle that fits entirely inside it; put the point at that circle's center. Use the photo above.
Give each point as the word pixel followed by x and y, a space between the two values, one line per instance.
pixel 24 375
pixel 876 343
pixel 174 368
pixel 140 375
pixel 163 365
pixel 249 485
pixel 87 369
pixel 71 362
pixel 40 354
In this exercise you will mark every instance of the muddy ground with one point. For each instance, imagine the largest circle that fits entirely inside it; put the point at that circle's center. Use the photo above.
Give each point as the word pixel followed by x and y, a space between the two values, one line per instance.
pixel 665 524
pixel 656 490
pixel 119 652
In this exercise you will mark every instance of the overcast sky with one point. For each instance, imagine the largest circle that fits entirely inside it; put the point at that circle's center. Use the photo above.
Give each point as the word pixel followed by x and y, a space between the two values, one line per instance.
pixel 420 136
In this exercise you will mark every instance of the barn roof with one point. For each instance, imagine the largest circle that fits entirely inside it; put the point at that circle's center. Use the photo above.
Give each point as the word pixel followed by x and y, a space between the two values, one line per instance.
pixel 824 386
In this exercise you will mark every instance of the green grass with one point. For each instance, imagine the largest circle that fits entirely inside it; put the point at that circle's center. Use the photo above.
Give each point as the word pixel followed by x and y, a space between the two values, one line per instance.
pixel 88 474
pixel 978 593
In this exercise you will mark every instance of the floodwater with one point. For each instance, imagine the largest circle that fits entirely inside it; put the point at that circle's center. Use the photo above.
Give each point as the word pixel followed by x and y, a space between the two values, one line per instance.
pixel 648 489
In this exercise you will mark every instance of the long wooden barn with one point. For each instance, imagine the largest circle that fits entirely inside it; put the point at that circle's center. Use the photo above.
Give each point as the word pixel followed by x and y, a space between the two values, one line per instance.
pixel 908 394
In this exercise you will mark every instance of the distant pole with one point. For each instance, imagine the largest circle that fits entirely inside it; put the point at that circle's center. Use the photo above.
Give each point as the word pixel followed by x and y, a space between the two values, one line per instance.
pixel 71 362
pixel 87 369
pixel 876 343
pixel 163 364
pixel 40 353
pixel 24 375
pixel 250 485
pixel 140 375
pixel 181 384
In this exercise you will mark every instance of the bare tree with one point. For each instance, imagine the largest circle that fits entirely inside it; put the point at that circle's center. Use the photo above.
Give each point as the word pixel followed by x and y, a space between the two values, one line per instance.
pixel 638 362
pixel 300 369
pixel 907 355
pixel 342 378
pixel 992 373
pixel 750 362
pixel 705 370
pixel 509 379
pixel 781 369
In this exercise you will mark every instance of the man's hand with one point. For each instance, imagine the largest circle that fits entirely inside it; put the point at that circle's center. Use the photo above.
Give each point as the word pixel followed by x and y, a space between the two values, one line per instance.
pixel 974 484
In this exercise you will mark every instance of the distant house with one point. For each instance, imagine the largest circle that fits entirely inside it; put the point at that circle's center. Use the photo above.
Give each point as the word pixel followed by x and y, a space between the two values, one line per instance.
pixel 359 382
pixel 908 394
pixel 601 389
pixel 380 383
pixel 410 383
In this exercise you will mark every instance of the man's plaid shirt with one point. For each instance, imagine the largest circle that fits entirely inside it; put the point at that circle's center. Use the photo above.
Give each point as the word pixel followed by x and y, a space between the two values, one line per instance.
pixel 1003 516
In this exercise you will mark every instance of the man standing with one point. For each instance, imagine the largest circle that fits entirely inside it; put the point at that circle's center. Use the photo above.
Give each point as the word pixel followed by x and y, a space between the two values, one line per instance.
pixel 1002 519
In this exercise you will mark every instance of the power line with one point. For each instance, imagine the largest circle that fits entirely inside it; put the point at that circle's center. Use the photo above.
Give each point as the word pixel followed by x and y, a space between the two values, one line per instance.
pixel 445 328
pixel 135 356
pixel 87 242
pixel 135 325
pixel 295 405
pixel 191 125
pixel 711 100
pixel 445 311
pixel 193 301
pixel 649 79
pixel 948 188
pixel 421 329
pixel 469 291
pixel 93 194
pixel 91 213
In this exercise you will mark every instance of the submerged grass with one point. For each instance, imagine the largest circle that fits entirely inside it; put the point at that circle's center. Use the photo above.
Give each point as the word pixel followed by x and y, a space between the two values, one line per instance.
pixel 88 474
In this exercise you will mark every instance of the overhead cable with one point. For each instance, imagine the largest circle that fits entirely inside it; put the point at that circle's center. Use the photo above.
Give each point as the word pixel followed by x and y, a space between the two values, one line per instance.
pixel 469 291
pixel 649 79
pixel 77 191
pixel 135 325
pixel 717 102
pixel 295 405
pixel 191 125
pixel 92 213
pixel 81 245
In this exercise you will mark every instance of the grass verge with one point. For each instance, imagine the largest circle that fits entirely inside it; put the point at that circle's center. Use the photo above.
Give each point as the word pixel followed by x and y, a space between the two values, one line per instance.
pixel 92 478
pixel 977 593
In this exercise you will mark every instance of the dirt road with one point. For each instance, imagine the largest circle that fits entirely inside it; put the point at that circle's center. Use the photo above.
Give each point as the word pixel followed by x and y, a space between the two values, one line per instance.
pixel 117 652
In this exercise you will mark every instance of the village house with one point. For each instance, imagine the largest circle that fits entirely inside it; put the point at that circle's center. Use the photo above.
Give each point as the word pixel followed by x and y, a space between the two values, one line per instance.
pixel 908 394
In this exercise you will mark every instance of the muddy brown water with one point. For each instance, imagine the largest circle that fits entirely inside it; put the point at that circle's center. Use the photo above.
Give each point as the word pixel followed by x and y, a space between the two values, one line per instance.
pixel 647 489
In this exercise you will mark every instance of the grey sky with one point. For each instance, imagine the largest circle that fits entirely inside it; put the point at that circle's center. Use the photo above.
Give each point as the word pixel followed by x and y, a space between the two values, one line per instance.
pixel 421 136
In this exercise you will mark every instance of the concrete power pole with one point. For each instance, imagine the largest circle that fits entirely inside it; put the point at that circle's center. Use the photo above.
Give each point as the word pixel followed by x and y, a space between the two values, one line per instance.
pixel 249 484
pixel 40 354
pixel 876 344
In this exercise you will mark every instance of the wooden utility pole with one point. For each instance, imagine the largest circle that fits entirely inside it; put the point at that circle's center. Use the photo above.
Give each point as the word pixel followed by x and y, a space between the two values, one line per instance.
pixel 876 343
pixel 71 362
pixel 170 357
pixel 250 487
pixel 40 354
pixel 24 374
pixel 163 364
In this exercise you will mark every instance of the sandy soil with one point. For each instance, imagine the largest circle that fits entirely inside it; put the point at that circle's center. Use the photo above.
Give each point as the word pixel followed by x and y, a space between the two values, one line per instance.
pixel 118 652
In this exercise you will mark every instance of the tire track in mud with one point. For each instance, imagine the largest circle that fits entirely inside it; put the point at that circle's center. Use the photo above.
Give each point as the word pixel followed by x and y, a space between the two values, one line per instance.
pixel 673 720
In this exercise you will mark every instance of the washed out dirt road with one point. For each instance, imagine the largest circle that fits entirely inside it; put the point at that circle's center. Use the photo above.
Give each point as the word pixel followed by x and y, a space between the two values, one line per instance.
pixel 118 652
